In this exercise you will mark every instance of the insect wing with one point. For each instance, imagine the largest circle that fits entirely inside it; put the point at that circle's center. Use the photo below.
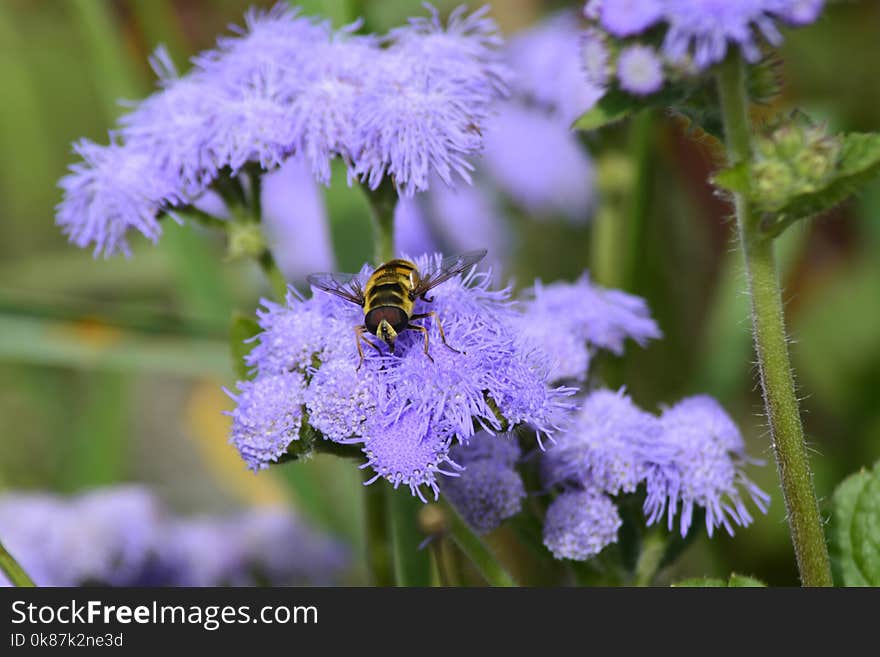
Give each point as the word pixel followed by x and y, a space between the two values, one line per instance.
pixel 449 267
pixel 346 286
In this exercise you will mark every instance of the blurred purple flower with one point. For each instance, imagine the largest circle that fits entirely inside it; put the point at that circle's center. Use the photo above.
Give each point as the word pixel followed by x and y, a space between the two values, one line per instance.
pixel 580 523
pixel 703 29
pixel 539 163
pixel 489 489
pixel 99 537
pixel 640 70
pixel 295 220
pixel 705 469
pixel 256 547
pixel 547 61
pixel 122 536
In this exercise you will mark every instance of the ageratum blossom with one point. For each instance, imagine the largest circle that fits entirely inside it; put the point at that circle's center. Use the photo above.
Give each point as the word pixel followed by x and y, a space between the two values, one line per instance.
pixel 568 321
pixel 404 410
pixel 691 456
pixel 408 106
pixel 580 523
pixel 489 489
pixel 702 30
pixel 705 469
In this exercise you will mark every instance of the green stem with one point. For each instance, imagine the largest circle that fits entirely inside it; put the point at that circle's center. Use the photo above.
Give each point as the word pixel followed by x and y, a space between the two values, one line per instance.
pixel 476 550
pixel 378 533
pixel 777 381
pixel 650 558
pixel 382 202
pixel 255 177
pixel 641 146
pixel 276 278
pixel 15 573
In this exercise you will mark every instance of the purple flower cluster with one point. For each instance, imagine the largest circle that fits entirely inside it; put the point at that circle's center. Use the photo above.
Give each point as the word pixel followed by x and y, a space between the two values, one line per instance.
pixel 691 456
pixel 696 34
pixel 490 489
pixel 123 537
pixel 569 321
pixel 407 105
pixel 404 411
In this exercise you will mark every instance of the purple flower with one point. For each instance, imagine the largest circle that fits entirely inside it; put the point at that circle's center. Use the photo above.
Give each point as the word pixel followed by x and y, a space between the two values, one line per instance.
pixel 705 469
pixel 595 57
pixel 295 220
pixel 267 417
pixel 579 524
pixel 547 63
pixel 539 163
pixel 489 489
pixel 467 47
pixel 259 546
pixel 404 409
pixel 100 537
pixel 703 29
pixel 566 320
pixel 175 127
pixel 114 189
pixel 454 219
pixel 624 18
pixel 640 70
pixel 610 444
pixel 283 86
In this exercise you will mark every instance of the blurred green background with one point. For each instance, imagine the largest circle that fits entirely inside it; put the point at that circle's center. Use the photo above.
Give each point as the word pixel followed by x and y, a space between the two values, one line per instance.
pixel 111 370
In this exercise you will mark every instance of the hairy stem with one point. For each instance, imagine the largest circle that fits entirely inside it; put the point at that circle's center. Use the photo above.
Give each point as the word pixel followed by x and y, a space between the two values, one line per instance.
pixel 378 533
pixel 382 202
pixel 777 381
pixel 13 571
pixel 475 550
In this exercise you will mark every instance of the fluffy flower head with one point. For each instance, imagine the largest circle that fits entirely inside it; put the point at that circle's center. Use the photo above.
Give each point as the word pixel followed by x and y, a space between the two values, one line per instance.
pixel 580 523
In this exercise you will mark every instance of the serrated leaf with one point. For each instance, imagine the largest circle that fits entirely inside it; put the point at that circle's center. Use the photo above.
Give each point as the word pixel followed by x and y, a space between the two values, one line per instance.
pixel 855 529
pixel 240 331
pixel 617 105
pixel 734 582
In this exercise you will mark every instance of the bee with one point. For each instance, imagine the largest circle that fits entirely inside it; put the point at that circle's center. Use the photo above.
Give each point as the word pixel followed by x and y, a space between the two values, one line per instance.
pixel 390 294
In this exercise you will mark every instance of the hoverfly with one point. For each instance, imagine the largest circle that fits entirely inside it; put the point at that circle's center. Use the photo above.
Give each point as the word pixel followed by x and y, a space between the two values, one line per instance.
pixel 389 296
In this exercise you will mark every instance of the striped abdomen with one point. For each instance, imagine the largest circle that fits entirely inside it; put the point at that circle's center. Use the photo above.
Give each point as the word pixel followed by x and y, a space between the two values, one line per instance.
pixel 386 295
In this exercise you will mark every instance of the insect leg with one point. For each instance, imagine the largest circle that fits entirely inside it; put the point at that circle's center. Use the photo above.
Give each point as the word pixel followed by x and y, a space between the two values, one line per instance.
pixel 424 331
pixel 359 333
pixel 439 327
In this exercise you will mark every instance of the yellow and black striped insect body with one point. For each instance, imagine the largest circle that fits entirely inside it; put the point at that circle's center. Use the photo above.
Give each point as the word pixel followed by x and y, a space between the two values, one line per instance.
pixel 390 294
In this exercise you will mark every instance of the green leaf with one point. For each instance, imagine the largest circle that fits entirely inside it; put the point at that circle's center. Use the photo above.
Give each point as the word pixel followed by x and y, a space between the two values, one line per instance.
pixel 743 581
pixel 855 529
pixel 617 105
pixel 701 582
pixel 243 328
pixel 734 582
